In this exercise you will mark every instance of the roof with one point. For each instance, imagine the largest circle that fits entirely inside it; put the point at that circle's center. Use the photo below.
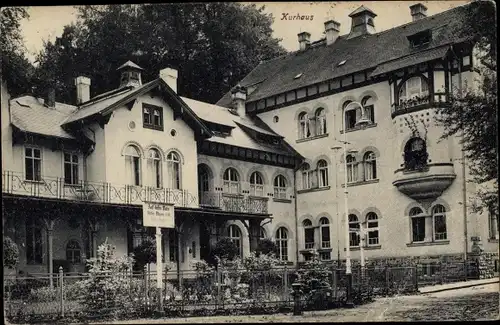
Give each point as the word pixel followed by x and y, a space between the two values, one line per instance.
pixel 360 10
pixel 320 62
pixel 129 64
pixel 29 114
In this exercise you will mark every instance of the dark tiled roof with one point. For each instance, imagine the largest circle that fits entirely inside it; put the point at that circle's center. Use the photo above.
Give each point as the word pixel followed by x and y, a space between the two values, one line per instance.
pixel 320 62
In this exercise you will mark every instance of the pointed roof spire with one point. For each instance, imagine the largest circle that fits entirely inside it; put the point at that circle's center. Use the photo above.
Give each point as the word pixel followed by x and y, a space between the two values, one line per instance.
pixel 362 9
pixel 129 64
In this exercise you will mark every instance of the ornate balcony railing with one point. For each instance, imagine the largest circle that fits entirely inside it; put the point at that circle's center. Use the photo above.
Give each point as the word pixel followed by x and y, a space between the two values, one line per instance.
pixel 411 102
pixel 98 192
pixel 234 203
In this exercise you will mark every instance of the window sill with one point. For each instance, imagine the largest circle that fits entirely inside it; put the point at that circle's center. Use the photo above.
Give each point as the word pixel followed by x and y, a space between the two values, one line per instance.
pixel 312 138
pixel 366 248
pixel 324 250
pixel 371 125
pixel 316 189
pixel 429 243
pixel 307 251
pixel 371 181
pixel 282 200
pixel 255 197
pixel 232 195
pixel 492 240
pixel 152 127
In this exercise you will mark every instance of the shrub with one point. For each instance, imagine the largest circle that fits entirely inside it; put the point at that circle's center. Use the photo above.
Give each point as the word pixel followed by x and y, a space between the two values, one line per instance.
pixel 10 253
pixel 144 254
pixel 266 246
pixel 225 249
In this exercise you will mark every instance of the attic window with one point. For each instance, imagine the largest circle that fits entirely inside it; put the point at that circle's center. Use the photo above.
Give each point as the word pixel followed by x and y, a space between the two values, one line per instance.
pixel 341 63
pixel 420 39
pixel 298 76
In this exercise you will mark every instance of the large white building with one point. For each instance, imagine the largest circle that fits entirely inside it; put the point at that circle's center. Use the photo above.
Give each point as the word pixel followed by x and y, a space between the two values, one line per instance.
pixel 260 162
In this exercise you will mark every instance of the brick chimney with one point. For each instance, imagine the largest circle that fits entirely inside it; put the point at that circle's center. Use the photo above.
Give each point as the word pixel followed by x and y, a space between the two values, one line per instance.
pixel 332 29
pixel 304 40
pixel 82 89
pixel 239 96
pixel 418 11
pixel 169 75
pixel 50 98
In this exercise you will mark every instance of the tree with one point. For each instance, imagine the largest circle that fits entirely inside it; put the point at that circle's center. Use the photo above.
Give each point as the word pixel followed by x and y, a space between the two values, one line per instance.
pixel 213 45
pixel 10 253
pixel 474 110
pixel 225 249
pixel 266 247
pixel 16 69
pixel 144 254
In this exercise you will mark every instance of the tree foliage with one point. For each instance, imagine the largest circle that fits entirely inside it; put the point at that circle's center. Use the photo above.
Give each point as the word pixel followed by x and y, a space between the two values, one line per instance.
pixel 267 246
pixel 144 254
pixel 474 110
pixel 225 249
pixel 16 69
pixel 213 45
pixel 10 253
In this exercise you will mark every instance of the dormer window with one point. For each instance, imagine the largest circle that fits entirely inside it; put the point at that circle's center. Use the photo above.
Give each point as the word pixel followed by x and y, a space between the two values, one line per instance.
pixel 420 39
pixel 298 76
pixel 341 63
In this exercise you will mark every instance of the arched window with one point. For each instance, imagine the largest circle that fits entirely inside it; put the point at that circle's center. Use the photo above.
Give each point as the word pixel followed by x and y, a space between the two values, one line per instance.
pixel 354 228
pixel 282 243
pixel 417 225
pixel 306 176
pixel 352 172
pixel 322 173
pixel 414 87
pixel 439 222
pixel 280 187
pixel 154 167
pixel 320 121
pixel 73 252
pixel 203 178
pixel 174 170
pixel 234 234
pixel 352 115
pixel 256 184
pixel 372 224
pixel 133 165
pixel 304 130
pixel 368 105
pixel 34 254
pixel 324 226
pixel 370 166
pixel 308 234
pixel 231 180
pixel 415 154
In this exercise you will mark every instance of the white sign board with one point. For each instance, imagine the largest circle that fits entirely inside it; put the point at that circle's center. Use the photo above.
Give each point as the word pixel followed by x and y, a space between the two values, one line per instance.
pixel 158 215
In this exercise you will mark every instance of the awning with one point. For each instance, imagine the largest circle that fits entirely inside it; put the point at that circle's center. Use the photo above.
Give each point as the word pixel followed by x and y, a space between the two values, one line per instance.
pixel 410 60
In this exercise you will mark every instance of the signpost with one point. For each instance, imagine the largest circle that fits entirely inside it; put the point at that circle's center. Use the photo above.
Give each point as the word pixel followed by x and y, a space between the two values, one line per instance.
pixel 158 215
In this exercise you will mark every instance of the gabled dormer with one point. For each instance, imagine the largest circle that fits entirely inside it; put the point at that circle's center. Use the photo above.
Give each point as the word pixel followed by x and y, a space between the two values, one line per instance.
pixel 420 39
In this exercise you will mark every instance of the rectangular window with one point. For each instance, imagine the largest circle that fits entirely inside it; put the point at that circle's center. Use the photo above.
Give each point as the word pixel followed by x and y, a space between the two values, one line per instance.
pixel 33 164
pixel 309 238
pixel 418 229
pixel 152 117
pixel 370 113
pixel 325 256
pixel 137 171
pixel 323 177
pixel 325 237
pixel 350 119
pixel 70 168
pixel 440 227
pixel 373 232
pixel 283 249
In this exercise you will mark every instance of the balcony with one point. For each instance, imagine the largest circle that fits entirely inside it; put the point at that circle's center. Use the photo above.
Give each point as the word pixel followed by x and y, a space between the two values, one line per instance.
pixel 96 192
pixel 234 202
pixel 425 182
pixel 411 104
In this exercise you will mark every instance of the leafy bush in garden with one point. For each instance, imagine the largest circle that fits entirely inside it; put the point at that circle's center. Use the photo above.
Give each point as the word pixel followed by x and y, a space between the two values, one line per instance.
pixel 225 249
pixel 315 278
pixel 144 254
pixel 267 247
pixel 10 253
pixel 109 283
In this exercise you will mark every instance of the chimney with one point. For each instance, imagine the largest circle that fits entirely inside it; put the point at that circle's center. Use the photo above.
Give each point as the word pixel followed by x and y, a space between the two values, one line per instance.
pixel 418 11
pixel 82 89
pixel 362 22
pixel 304 40
pixel 332 29
pixel 50 99
pixel 239 96
pixel 169 75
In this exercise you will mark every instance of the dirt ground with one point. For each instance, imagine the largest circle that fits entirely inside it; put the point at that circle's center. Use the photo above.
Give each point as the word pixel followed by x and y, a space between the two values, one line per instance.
pixel 475 303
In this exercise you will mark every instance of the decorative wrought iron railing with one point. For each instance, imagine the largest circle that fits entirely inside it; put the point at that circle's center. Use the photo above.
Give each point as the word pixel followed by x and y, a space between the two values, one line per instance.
pixel 98 192
pixel 234 203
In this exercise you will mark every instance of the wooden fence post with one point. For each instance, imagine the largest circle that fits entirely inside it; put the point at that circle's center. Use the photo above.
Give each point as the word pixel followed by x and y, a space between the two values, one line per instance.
pixel 61 289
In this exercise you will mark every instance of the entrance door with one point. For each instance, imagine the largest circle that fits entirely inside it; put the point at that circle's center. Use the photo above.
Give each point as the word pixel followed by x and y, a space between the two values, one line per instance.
pixel 204 242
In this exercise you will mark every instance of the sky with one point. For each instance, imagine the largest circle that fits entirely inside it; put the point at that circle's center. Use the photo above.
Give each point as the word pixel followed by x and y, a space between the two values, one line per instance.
pixel 47 22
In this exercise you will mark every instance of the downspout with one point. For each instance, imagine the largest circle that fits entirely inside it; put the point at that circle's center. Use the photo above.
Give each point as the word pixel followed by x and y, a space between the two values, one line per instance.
pixel 464 183
pixel 296 216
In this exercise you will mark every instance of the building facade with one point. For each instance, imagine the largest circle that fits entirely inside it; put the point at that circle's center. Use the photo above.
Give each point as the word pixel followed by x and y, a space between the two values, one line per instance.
pixel 261 163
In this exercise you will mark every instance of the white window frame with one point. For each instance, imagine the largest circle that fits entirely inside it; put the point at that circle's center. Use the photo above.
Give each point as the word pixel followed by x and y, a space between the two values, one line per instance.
pixel 282 243
pixel 417 215
pixel 354 224
pixel 322 173
pixel 416 90
pixel 321 127
pixel 174 170
pixel 235 235
pixel 304 127
pixel 372 225
pixel 308 226
pixel 74 179
pixel 352 173
pixel 280 187
pixel 442 214
pixel 231 185
pixel 33 158
pixel 155 168
pixel 256 184
pixel 133 164
pixel 325 223
pixel 306 177
pixel 370 165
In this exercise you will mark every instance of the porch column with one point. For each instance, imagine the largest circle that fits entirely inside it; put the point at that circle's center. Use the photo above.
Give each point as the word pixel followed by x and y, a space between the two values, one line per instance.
pixel 253 233
pixel 94 227
pixel 49 223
